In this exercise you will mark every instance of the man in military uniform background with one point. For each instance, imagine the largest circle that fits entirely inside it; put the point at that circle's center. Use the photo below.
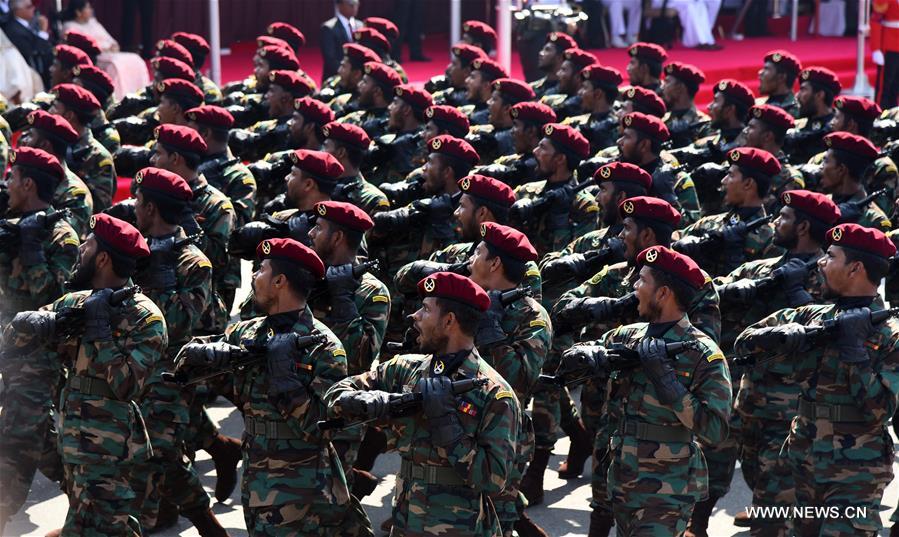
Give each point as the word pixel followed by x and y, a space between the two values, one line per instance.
pixel 349 144
pixel 520 165
pixel 375 93
pixel 818 86
pixel 685 123
pixel 549 60
pixel 644 69
pixel 401 151
pixel 598 94
pixel 846 161
pixel 776 79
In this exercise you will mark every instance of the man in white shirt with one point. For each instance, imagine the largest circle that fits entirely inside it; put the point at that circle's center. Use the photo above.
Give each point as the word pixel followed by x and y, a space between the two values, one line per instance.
pixel 337 31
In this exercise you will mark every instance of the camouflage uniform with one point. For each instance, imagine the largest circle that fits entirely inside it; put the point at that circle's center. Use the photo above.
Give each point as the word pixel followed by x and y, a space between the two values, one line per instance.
pixel 455 499
pixel 361 193
pixel 581 218
pixel 514 169
pixel 599 128
pixel 787 101
pixel 372 120
pixel 757 245
pixel 261 138
pixel 211 92
pixel 73 194
pixel 402 153
pixel 686 126
pixel 544 86
pixel 451 97
pixel 675 188
pixel 872 214
pixel 563 105
pixel 93 164
pixel 789 178
pixel 105 133
pixel 846 460
pixel 806 139
pixel 881 174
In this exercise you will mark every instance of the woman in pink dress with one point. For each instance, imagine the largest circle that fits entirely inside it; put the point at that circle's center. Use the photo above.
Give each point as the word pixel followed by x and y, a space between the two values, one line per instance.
pixel 127 70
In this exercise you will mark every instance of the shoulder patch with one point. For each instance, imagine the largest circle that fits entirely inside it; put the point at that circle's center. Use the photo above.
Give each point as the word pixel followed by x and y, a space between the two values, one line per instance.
pixel 380 298
pixel 153 318
pixel 339 352
pixel 78 191
pixel 592 208
pixel 503 394
pixel 105 162
pixel 688 183
pixel 716 356
pixel 383 203
pixel 248 181
pixel 538 322
pixel 70 242
pixel 205 264
pixel 532 273
pixel 227 205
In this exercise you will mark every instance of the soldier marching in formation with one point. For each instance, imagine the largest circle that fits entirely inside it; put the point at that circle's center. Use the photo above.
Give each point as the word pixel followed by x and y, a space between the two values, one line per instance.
pixel 435 271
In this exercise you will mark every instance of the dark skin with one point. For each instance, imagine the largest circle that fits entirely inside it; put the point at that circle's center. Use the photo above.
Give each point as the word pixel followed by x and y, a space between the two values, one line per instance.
pixel 635 239
pixel 771 82
pixel 370 93
pixel 280 101
pixel 170 112
pixel 793 234
pixel 439 332
pixel 567 75
pixel 470 216
pixel 675 94
pixel 439 177
pixel 842 121
pixel 608 198
pixel 330 243
pixel 478 87
pixel 272 293
pixel 593 99
pixel 498 111
pixel 633 149
pixel 812 103
pixel 551 163
pixel 401 117
pixel 525 137
pixel 723 115
pixel 22 191
pixel 844 278
pixel 757 134
pixel 638 73
pixel 739 190
pixel 349 75
pixel 549 60
pixel 656 303
pixel 835 177
pixel 456 73
pixel 60 109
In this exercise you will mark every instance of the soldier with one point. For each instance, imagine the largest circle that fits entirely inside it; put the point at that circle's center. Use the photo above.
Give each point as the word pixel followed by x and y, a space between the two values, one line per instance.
pixel 459 449
pixel 685 123
pixel 776 78
pixel 551 210
pixel 178 279
pixel 845 164
pixel 598 94
pixel 519 166
pixel 766 402
pixel 765 130
pixel 96 81
pixel 33 271
pixel 479 34
pixel 644 70
pixel 637 99
pixel 403 150
pixel 65 58
pixel 683 398
pixel 266 60
pixel 292 480
pixel 479 87
pixel 457 72
pixel 375 93
pixel 566 101
pixel 179 149
pixel 842 360
pixel 494 141
pixel 444 119
pixel 818 87
pixel 549 60
pixel 199 50
pixel 341 91
pixel 110 352
pixel 288 33
pixel 349 144
pixel 380 45
pixel 172 49
pixel 88 158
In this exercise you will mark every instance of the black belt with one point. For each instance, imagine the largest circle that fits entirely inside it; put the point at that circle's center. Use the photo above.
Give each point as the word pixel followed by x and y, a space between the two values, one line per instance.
pixel 91 386
pixel 656 433
pixel 834 413
pixel 271 429
pixel 430 474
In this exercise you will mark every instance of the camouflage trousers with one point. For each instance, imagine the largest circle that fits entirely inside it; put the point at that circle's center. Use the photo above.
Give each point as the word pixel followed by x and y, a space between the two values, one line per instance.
pixel 347 443
pixel 510 503
pixel 766 472
pixel 653 516
pixel 722 459
pixel 312 519
pixel 599 500
pixel 420 509
pixel 553 409
pixel 100 502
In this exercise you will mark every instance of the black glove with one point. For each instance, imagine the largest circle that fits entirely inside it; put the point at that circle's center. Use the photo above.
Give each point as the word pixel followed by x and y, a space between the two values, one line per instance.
pixel 342 287
pixel 372 404
pixel 850 212
pixel 709 173
pixel 490 330
pixel 281 355
pixel 784 339
pixel 160 271
pixel 523 210
pixel 396 219
pixel 123 210
pixel 792 276
pixel 562 269
pixel 691 245
pixel 583 310
pixel 439 215
pixel 439 405
pixel 593 358
pixel 206 355
pixel 41 324
pixel 244 240
pixel 654 358
pixel 854 327
pixel 98 316
pixel 32 234
pixel 403 192
pixel 559 206
pixel 276 204
pixel 298 227
pixel 742 291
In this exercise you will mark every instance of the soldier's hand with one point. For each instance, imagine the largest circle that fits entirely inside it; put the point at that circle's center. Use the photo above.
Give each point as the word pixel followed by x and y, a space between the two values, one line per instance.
pixel 734 235
pixel 792 276
pixel 490 330
pixel 654 359
pixel 98 316
pixel 439 214
pixel 244 240
pixel 564 268
pixel 41 324
pixel 690 245
pixel 372 404
pixel 298 227
pixel 439 406
pixel 742 290
pixel 522 211
pixel 342 286
pixel 32 234
pixel 854 327
pixel 784 339
pixel 214 355
pixel 281 358
pixel 593 358
pixel 850 211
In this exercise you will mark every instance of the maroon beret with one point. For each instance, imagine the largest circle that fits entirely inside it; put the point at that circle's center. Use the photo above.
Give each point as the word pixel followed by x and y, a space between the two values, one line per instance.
pixel 851 143
pixel 648 52
pixel 467 53
pixel 645 101
pixel 359 55
pixel 268 41
pixel 371 38
pixel 537 113
pixel 624 172
pixel 53 125
pixel 858 106
pixel 280 58
pixel 211 116
pixel 488 189
pixel 490 69
pixel 37 159
pixel 318 164
pixel 385 26
pixel 784 60
pixel 383 74
pixel 76 98
pixel 514 91
pixel 288 33
pixel 172 49
pixel 181 138
pixel 674 263
pixel 168 67
pixel 686 73
pixel 480 31
pixel 81 40
pixel 94 80
pixel 735 91
pixel 70 56
pixel 509 241
pixel 561 40
pixel 163 182
pixel 195 44
pixel 118 235
pixel 580 58
pixel 448 118
pixel 600 75
pixel 649 125
pixel 568 137
pixel 347 133
pixel 292 82
pixel 757 160
pixel 314 110
pixel 866 239
pixel 649 208
pixel 293 252
pixel 344 214
pixel 773 116
pixel 814 204
pixel 453 286
pixel 453 147
pixel 175 87
pixel 414 97
pixel 823 77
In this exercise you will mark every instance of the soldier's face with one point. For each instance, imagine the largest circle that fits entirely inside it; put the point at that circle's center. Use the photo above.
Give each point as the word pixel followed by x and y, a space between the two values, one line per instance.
pixel 545 154
pixel 806 98
pixel 606 198
pixel 16 189
pixel 497 112
pixel 456 73
pixel 647 293
pixel 767 79
pixel 168 110
pixel 465 215
pixel 671 88
pixel 431 130
pixel 141 213
pixel 716 110
pixel 839 121
pixel 630 234
pixel 431 325
pixel 628 146
pixel 547 56
pixel 296 185
pixel 322 237
pixel 260 71
pixel 566 77
pixel 474 84
pixel 295 127
pixel 59 74
pixel 434 174
pixel 832 173
pixel 785 234
pixel 161 158
pixel 396 114
pixel 753 133
pixel 734 187
pixel 86 266
pixel 634 71
pixel 365 87
pixel 587 95
pixel 519 137
pixel 263 294
pixel 344 70
pixel 29 138
pixel 835 270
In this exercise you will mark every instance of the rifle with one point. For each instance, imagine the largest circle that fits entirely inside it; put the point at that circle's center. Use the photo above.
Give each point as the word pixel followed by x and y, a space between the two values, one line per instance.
pixel 560 270
pixel 542 202
pixel 9 232
pixel 403 405
pixel 69 319
pixel 714 238
pixel 403 193
pixel 860 204
pixel 250 354
pixel 618 307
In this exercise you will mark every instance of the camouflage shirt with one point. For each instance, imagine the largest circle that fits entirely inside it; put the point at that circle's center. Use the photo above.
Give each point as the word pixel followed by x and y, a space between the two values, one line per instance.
pixel 686 126
pixel 581 218
pixel 73 194
pixel 757 245
pixel 93 164
pixel 372 120
pixel 361 193
pixel 234 179
pixel 872 215
pixel 599 128
pixel 787 101
pixel 105 133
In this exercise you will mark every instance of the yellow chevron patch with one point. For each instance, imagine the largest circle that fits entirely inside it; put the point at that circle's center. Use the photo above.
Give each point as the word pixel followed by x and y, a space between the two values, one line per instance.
pixel 688 183
pixel 70 242
pixel 79 191
pixel 339 352
pixel 532 273
pixel 593 209
pixel 538 322
pixel 153 318
pixel 249 181
pixel 380 298
pixel 383 203
pixel 204 264
pixel 105 162
pixel 227 205
pixel 716 356
pixel 503 394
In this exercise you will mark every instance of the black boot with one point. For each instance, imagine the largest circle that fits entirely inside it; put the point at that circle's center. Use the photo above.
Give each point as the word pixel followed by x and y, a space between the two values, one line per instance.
pixel 206 523
pixel 600 524
pixel 528 528
pixel 580 450
pixel 364 483
pixel 699 522
pixel 373 444
pixel 166 516
pixel 226 453
pixel 532 482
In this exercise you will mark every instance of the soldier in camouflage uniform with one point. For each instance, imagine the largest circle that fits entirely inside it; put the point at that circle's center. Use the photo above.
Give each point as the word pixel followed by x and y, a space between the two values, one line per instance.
pixel 567 102
pixel 251 107
pixel 293 482
pixel 457 72
pixel 349 144
pixel 598 93
pixel 519 166
pixel 374 39
pixel 644 70
pixel 376 90
pixel 178 279
pixel 838 447
pixel 496 139
pixel 685 123
pixel 396 154
pixel 110 351
pixel 659 407
pixel 199 49
pixel 89 159
pixel 767 398
pixel 724 241
pixel 549 60
pixel 776 79
pixel 479 88
pixel 96 81
pixel 341 91
pixel 460 448
pixel 765 130
pixel 818 87
pixel 33 270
